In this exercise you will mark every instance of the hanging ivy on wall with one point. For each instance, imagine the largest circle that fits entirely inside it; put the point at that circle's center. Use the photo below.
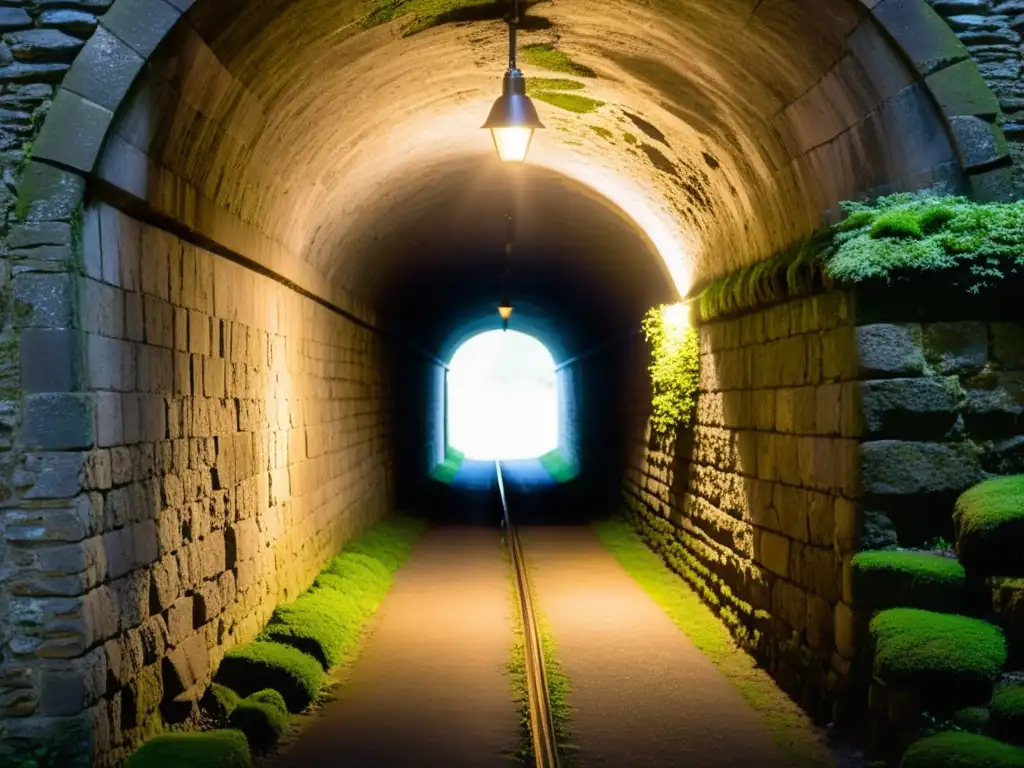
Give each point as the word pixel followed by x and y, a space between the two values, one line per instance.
pixel 675 368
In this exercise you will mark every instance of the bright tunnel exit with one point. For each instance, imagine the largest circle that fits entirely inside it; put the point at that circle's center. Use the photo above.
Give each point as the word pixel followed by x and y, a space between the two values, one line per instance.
pixel 502 399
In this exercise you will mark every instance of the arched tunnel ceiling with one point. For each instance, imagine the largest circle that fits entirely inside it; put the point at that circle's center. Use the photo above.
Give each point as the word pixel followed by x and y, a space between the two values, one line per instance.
pixel 348 133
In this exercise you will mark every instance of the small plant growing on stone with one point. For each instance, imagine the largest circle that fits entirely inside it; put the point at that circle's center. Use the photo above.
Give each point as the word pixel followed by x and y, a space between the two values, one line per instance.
pixel 675 368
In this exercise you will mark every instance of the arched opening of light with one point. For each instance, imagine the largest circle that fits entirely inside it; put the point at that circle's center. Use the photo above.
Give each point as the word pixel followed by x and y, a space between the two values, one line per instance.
pixel 502 399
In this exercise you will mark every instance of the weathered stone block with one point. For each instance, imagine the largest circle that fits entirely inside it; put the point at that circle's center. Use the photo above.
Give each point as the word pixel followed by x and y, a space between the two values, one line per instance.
pixel 890 350
pixel 180 620
pixel 961 90
pixel 921 33
pixel 54 475
pixel 956 347
pixel 65 524
pixel 995 404
pixel 68 687
pixel 57 422
pixel 772 551
pixel 1008 345
pixel 891 467
pixel 980 143
pixel 186 670
pixel 910 408
pixel 132 595
pixel 789 603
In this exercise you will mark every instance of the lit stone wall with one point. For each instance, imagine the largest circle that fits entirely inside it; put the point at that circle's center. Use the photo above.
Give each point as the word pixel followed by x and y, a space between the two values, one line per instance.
pixel 824 426
pixel 240 439
pixel 755 504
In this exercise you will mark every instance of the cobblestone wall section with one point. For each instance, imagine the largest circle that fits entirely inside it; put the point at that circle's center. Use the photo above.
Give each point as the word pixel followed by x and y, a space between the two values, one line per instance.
pixel 755 505
pixel 992 32
pixel 239 441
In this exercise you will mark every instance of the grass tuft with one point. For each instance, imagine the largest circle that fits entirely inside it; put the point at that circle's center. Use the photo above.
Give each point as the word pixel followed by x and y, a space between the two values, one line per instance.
pixel 1008 713
pixel 790 728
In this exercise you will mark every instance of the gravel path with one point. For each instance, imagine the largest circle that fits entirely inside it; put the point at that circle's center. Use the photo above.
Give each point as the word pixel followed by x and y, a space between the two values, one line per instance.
pixel 430 688
pixel 642 694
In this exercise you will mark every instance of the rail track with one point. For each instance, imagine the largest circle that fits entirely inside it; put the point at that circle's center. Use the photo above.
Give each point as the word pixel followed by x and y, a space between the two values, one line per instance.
pixel 542 729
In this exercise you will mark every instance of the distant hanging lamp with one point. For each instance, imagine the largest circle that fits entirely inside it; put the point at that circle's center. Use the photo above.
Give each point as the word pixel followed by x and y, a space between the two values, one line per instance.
pixel 505 310
pixel 513 117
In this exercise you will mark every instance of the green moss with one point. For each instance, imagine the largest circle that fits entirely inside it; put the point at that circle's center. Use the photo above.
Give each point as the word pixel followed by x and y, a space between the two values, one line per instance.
pixel 323 623
pixel 445 471
pixel 898 223
pixel 951 660
pixel 327 622
pixel 1008 713
pixel 254 666
pixel 797 271
pixel 570 102
pixel 951 749
pixel 675 366
pixel 899 236
pixel 890 579
pixel 21 309
pixel 971 719
pixel 219 702
pixel 989 523
pixel 790 728
pixel 546 56
pixel 389 542
pixel 604 133
pixel 262 717
pixel 629 138
pixel 534 84
pixel 214 749
pixel 556 465
pixel 422 15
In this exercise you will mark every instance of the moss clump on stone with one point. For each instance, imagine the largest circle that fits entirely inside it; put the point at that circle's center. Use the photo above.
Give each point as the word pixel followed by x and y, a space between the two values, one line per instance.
pixel 262 717
pixel 421 15
pixel 912 233
pixel 535 84
pixel 988 521
pixel 1008 713
pixel 951 749
pixel 252 667
pixel 390 541
pixel 327 621
pixel 950 660
pixel 219 702
pixel 324 624
pixel 213 749
pixel 604 133
pixel 570 102
pixel 675 366
pixel 892 579
pixel 972 719
pixel 546 56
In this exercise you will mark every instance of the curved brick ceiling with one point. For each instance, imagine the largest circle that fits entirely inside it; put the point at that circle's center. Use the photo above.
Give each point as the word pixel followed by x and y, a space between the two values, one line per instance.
pixel 349 135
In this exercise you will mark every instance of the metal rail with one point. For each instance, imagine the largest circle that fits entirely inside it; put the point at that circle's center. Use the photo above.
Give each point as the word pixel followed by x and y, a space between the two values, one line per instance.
pixel 542 727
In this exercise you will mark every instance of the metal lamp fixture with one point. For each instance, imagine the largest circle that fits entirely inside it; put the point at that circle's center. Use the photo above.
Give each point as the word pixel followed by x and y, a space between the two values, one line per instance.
pixel 505 310
pixel 513 118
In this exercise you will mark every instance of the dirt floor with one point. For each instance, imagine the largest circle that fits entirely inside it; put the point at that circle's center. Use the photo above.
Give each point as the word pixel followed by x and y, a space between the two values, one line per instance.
pixel 642 694
pixel 430 688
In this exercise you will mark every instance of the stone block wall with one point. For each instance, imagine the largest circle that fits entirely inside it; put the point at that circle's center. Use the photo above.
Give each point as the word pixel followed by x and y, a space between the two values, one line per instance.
pixel 943 408
pixel 755 505
pixel 991 31
pixel 240 438
pixel 825 425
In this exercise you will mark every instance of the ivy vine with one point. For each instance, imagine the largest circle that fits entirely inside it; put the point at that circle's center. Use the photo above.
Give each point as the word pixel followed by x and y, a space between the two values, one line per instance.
pixel 675 367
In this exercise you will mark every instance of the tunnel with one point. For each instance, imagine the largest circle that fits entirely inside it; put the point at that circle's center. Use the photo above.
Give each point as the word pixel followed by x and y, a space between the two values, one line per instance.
pixel 245 241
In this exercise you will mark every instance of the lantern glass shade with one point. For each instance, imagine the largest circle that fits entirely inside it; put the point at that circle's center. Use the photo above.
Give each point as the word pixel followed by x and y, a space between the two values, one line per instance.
pixel 505 310
pixel 513 119
pixel 512 142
